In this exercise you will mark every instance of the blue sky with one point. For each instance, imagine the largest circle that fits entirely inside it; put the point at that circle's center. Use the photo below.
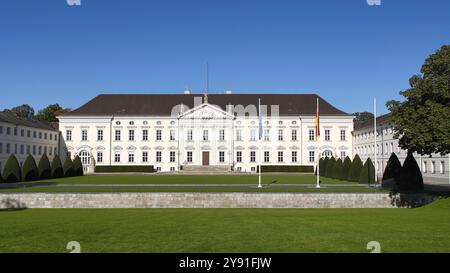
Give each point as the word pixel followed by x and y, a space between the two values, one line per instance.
pixel 346 51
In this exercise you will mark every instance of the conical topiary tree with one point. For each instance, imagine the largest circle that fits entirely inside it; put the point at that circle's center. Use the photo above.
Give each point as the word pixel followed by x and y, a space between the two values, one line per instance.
pixel 410 178
pixel 346 168
pixel 30 171
pixel 367 175
pixel 355 169
pixel 323 168
pixel 77 166
pixel 337 170
pixel 68 168
pixel 320 165
pixel 57 169
pixel 393 167
pixel 45 170
pixel 12 172
pixel 1 176
pixel 330 167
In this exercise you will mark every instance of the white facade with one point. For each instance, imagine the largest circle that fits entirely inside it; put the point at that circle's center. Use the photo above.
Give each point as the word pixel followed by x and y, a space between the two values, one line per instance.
pixel 22 140
pixel 435 167
pixel 203 135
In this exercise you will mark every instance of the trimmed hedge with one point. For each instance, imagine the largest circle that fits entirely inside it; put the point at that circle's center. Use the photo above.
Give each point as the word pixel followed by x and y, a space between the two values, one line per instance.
pixel 1 177
pixel 78 166
pixel 323 168
pixel 393 167
pixel 337 170
pixel 124 169
pixel 68 168
pixel 57 169
pixel 330 167
pixel 45 170
pixel 30 171
pixel 410 178
pixel 286 169
pixel 355 169
pixel 345 168
pixel 367 175
pixel 12 172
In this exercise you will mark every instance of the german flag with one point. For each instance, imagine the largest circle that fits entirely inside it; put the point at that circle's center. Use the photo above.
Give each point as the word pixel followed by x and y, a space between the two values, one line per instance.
pixel 317 121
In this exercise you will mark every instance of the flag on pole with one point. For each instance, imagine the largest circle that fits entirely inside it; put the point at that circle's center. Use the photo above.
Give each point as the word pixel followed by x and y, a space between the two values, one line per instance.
pixel 318 146
pixel 317 121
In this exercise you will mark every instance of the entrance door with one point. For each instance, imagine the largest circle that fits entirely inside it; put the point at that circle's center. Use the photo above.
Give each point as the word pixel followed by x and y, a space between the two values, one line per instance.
pixel 205 158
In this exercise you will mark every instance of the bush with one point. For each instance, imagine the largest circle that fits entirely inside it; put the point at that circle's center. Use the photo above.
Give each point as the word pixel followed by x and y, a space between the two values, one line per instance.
pixel 45 171
pixel 30 171
pixel 124 169
pixel 320 165
pixel 57 169
pixel 346 168
pixel 337 170
pixel 12 172
pixel 1 177
pixel 393 167
pixel 355 169
pixel 367 175
pixel 286 169
pixel 68 168
pixel 410 178
pixel 323 168
pixel 330 167
pixel 78 166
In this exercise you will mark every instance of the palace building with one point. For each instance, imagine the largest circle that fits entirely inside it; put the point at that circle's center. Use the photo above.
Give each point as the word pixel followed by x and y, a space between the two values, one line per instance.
pixel 188 131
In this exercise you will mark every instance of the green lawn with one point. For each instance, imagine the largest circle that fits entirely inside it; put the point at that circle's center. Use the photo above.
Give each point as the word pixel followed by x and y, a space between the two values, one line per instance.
pixel 425 229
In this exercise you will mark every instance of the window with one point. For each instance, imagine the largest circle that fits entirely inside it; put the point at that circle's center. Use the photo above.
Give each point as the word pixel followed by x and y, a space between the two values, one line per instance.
pixel 267 135
pixel 8 130
pixel 253 135
pixel 238 135
pixel 22 149
pixel 294 156
pixel 172 134
pixel 144 156
pixel 172 156
pixel 172 169
pixel 343 155
pixel 312 157
pixel 311 135
pixel 433 167
pixel 158 156
pixel 252 156
pixel 205 135
pixel 158 135
pixel 99 157
pixel 327 135
pixel 28 149
pixel 22 133
pixel 145 135
pixel 280 156
pixel 130 135
pixel 392 148
pixel 68 135
pixel 34 149
pixel 51 136
pixel 327 153
pixel 99 135
pixel 29 133
pixel 8 148
pixel 117 135
pixel 343 135
pixel 221 134
pixel 85 157
pixel 40 150
pixel 266 156
pixel 221 156
pixel 280 135
pixel 83 135
pixel 40 135
pixel 131 157
pixel 1 148
pixel 45 135
pixel 15 132
pixel 424 167
pixel 117 158
pixel 189 135
pixel 294 134
pixel 189 156
pixel 239 156
pixel 1 129
pixel 442 167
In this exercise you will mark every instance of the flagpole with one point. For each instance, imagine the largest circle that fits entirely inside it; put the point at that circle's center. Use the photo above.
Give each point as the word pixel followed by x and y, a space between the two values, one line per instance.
pixel 375 138
pixel 318 145
pixel 259 142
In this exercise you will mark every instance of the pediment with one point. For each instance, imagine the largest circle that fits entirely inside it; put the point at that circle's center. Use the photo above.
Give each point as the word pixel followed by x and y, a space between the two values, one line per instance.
pixel 131 148
pixel 100 148
pixel 189 147
pixel 84 147
pixel 281 148
pixel 206 147
pixel 172 148
pixel 253 147
pixel 267 148
pixel 239 147
pixel 222 147
pixel 206 111
pixel 343 147
pixel 294 147
pixel 117 148
pixel 159 148
pixel 145 148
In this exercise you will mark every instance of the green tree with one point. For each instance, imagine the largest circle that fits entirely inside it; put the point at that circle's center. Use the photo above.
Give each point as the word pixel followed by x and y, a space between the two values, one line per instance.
pixel 30 171
pixel 361 117
pixel 68 168
pixel 57 168
pixel 422 119
pixel 337 170
pixel 355 169
pixel 410 178
pixel 367 175
pixel 45 170
pixel 12 172
pixel 23 111
pixel 78 166
pixel 1 176
pixel 346 168
pixel 330 167
pixel 323 168
pixel 393 167
pixel 50 113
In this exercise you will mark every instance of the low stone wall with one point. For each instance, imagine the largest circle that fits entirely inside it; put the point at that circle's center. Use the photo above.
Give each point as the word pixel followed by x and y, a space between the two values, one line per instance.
pixel 210 200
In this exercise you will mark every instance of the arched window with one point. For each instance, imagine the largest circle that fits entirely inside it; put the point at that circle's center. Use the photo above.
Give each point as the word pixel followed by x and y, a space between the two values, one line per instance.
pixel 85 157
pixel 327 153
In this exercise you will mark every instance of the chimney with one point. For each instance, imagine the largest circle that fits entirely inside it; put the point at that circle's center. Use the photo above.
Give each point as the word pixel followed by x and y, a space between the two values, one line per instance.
pixel 228 91
pixel 187 91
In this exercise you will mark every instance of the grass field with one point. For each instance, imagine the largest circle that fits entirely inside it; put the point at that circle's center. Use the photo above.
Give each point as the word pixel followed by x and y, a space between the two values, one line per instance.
pixel 425 229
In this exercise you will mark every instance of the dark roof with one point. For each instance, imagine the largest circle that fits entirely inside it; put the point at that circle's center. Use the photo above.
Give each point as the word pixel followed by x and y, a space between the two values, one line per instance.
pixel 162 104
pixel 369 123
pixel 10 117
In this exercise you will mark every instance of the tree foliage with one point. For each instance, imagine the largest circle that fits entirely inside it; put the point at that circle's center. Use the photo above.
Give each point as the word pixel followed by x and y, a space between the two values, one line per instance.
pixel 361 117
pixel 367 175
pixel 68 168
pixel 45 170
pixel 57 168
pixel 330 167
pixel 410 177
pixel 23 111
pixel 393 167
pixel 12 172
pixel 355 169
pixel 30 171
pixel 78 166
pixel 422 119
pixel 346 168
pixel 50 113
pixel 337 170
